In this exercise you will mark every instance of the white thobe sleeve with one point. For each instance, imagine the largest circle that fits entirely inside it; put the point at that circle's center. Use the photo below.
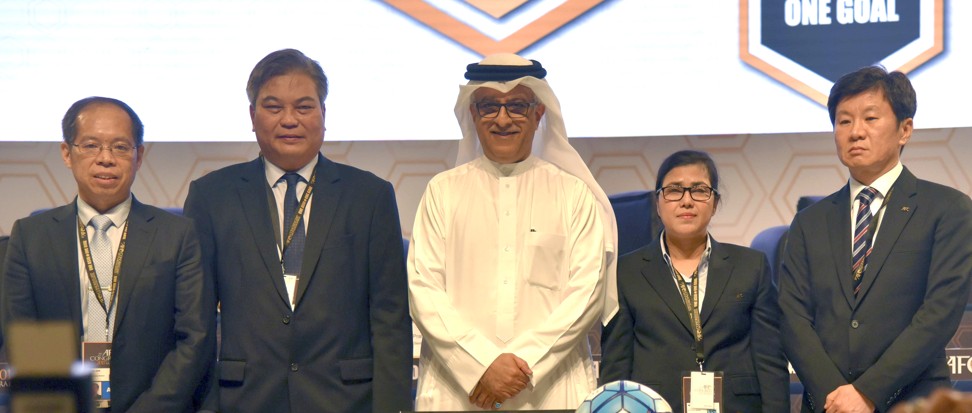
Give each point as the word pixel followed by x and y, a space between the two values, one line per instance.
pixel 452 339
pixel 546 345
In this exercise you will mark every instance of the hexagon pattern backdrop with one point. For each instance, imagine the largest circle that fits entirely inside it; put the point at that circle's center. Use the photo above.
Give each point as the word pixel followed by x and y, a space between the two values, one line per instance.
pixel 763 176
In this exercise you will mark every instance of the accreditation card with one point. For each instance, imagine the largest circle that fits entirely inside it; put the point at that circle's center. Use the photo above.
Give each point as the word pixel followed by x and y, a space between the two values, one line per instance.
pixel 702 392
pixel 99 356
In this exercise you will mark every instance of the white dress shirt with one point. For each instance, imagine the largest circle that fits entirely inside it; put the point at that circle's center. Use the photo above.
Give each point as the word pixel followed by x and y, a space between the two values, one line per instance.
pixel 882 185
pixel 118 216
pixel 703 268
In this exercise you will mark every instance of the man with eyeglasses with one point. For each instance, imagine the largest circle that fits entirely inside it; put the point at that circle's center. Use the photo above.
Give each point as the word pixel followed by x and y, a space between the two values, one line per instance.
pixel 127 274
pixel 512 253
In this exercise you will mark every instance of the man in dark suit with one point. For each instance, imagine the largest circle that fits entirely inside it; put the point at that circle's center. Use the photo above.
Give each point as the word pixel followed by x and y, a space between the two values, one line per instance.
pixel 314 308
pixel 876 276
pixel 4 240
pixel 161 321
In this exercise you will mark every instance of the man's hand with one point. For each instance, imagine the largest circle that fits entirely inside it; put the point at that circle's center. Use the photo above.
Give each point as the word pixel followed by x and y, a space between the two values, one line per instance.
pixel 482 399
pixel 506 377
pixel 846 399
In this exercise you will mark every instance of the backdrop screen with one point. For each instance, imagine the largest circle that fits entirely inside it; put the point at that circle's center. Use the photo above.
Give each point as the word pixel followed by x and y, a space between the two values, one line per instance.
pixel 619 67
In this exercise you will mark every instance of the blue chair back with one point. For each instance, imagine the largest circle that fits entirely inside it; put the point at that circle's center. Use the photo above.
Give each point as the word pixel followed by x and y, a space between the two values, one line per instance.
pixel 808 200
pixel 638 221
pixel 771 242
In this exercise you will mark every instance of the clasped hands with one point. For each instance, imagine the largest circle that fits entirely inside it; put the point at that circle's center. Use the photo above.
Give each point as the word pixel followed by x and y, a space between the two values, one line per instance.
pixel 848 399
pixel 506 377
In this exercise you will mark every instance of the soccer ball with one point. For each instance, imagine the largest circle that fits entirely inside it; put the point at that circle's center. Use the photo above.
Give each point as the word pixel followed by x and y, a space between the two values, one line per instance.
pixel 624 397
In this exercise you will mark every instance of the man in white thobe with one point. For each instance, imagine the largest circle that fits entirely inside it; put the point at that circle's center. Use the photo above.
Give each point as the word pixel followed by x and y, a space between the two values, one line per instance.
pixel 512 255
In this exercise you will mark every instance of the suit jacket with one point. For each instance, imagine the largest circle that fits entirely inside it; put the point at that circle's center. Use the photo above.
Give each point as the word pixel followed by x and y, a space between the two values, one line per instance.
pixel 888 341
pixel 347 345
pixel 164 333
pixel 4 240
pixel 650 341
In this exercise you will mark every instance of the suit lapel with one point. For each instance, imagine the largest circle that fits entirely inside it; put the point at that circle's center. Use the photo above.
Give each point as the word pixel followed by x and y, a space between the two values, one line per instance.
pixel 328 193
pixel 659 276
pixel 141 234
pixel 900 207
pixel 720 269
pixel 64 250
pixel 252 189
pixel 839 236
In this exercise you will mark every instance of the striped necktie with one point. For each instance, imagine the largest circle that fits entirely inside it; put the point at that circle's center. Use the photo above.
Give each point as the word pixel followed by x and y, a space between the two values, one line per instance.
pixel 862 239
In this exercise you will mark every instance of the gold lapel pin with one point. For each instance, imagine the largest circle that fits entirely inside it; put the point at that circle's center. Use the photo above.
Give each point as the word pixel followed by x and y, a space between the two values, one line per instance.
pixel 905 209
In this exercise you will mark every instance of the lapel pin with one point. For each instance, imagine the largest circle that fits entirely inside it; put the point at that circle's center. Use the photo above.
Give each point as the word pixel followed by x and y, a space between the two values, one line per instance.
pixel 905 209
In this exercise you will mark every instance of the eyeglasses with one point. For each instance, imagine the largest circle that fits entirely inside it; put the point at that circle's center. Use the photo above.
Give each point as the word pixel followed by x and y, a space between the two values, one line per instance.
pixel 119 150
pixel 700 193
pixel 514 110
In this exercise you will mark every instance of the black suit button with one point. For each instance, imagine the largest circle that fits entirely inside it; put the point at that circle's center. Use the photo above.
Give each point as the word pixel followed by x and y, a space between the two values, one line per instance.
pixel 286 319
pixel 855 324
pixel 293 366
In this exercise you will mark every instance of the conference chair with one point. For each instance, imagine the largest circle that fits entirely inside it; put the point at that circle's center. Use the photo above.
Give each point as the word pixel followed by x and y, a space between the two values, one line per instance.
pixel 772 241
pixel 637 218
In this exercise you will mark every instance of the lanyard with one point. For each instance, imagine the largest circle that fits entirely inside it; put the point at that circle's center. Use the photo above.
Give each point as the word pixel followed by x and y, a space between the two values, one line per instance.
pixel 292 226
pixel 93 275
pixel 871 233
pixel 692 306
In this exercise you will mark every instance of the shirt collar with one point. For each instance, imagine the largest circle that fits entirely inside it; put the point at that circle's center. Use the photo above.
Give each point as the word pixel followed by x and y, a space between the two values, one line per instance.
pixel 274 172
pixel 705 254
pixel 882 184
pixel 117 214
pixel 501 170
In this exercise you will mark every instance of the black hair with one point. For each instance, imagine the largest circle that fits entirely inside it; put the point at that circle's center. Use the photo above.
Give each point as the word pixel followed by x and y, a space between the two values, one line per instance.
pixel 69 125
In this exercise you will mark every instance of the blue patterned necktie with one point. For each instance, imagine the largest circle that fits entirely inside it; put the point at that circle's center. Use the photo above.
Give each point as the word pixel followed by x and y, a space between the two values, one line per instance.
pixel 862 240
pixel 293 254
pixel 101 257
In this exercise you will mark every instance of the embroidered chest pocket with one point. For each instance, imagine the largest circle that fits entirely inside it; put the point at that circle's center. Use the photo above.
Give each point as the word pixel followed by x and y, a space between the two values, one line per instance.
pixel 545 258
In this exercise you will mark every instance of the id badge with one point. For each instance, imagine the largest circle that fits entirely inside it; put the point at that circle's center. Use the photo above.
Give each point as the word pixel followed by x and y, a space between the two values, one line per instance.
pixel 99 356
pixel 702 392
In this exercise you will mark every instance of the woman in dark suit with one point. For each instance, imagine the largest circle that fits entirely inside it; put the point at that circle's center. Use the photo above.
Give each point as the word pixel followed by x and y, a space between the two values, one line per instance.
pixel 653 340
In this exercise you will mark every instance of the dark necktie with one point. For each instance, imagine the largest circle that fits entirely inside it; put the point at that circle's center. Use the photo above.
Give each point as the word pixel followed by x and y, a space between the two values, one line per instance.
pixel 294 252
pixel 862 239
